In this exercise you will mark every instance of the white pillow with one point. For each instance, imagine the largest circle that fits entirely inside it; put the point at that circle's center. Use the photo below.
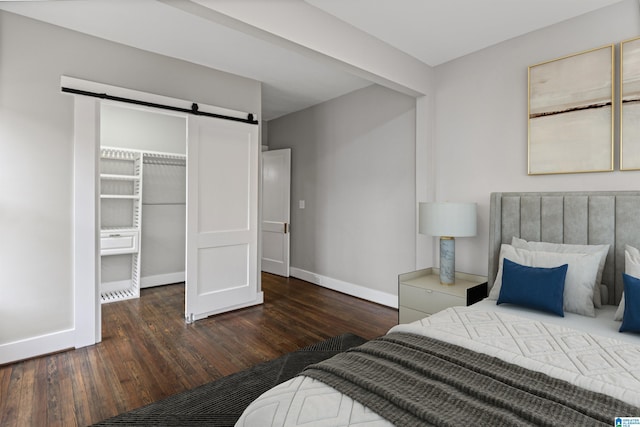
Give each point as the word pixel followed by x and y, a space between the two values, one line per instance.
pixel 578 286
pixel 632 268
pixel 602 250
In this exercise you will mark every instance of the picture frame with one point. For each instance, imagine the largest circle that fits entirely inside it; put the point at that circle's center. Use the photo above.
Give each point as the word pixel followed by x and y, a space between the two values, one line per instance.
pixel 630 104
pixel 570 113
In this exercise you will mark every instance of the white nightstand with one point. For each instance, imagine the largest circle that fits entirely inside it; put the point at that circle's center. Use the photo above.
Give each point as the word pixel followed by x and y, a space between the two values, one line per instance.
pixel 420 293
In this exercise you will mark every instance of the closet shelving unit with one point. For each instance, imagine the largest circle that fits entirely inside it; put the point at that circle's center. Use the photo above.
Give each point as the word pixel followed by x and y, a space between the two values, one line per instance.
pixel 121 183
pixel 120 218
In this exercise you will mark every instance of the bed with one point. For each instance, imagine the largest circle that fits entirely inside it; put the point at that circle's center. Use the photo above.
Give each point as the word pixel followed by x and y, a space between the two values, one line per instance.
pixel 549 354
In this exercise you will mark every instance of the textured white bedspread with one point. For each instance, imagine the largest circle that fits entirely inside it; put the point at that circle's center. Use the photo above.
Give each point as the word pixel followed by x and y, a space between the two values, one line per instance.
pixel 598 363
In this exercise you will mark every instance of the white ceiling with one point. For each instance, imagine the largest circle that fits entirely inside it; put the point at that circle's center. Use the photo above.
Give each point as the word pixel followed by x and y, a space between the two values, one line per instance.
pixel 437 31
pixel 433 31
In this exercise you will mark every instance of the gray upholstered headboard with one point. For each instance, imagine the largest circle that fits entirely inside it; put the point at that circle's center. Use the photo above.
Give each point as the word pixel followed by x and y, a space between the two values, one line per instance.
pixel 600 217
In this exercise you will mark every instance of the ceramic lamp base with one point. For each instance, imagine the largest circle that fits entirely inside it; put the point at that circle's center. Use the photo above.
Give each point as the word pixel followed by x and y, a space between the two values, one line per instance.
pixel 447 260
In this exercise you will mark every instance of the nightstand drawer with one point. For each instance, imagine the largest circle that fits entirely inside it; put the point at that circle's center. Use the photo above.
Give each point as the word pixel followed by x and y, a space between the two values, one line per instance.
pixel 427 300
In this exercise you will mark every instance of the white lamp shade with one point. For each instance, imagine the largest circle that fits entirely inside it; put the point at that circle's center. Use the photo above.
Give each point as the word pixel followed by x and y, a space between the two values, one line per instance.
pixel 448 219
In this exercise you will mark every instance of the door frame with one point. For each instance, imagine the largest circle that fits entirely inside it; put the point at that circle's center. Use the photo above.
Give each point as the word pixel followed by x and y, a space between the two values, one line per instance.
pixel 86 196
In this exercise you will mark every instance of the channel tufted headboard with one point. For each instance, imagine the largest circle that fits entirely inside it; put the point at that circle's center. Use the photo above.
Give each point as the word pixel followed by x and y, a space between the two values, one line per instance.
pixel 589 217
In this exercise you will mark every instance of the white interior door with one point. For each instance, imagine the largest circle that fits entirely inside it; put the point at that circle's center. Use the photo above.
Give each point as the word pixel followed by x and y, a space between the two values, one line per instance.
pixel 276 203
pixel 222 217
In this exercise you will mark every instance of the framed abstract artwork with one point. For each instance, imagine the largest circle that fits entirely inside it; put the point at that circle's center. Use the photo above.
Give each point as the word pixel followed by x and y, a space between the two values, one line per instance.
pixel 571 113
pixel 630 104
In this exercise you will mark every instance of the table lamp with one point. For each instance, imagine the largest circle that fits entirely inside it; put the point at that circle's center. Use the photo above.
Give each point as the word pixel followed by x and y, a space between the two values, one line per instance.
pixel 447 220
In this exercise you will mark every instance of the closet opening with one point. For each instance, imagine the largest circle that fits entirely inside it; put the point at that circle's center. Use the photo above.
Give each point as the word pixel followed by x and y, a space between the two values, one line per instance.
pixel 142 176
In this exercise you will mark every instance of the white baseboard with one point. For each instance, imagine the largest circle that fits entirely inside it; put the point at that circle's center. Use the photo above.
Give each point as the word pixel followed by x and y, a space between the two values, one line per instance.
pixel 358 291
pixel 37 346
pixel 145 282
pixel 161 279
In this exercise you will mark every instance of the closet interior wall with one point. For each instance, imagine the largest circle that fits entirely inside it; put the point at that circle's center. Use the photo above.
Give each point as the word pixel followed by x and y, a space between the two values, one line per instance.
pixel 163 220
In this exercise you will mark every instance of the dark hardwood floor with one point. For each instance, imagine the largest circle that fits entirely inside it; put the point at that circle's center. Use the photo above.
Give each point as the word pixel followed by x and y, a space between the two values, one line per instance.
pixel 149 353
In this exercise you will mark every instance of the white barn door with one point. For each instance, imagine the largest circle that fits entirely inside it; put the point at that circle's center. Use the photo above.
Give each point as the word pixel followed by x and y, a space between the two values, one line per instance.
pixel 222 217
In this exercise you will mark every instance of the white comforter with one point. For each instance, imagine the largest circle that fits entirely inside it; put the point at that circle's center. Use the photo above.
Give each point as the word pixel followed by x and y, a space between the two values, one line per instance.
pixel 598 363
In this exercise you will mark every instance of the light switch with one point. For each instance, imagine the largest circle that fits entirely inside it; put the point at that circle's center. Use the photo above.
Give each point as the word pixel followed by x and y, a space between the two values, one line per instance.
pixel 301 204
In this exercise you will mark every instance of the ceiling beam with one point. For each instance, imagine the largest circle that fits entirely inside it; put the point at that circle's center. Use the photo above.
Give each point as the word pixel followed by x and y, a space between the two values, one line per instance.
pixel 305 29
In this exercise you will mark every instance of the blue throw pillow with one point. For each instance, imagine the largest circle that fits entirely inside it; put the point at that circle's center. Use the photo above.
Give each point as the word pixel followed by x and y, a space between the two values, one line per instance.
pixel 534 287
pixel 631 317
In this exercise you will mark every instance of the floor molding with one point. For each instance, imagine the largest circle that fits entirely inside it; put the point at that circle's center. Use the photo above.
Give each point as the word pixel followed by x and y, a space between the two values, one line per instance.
pixel 37 346
pixel 352 289
pixel 162 279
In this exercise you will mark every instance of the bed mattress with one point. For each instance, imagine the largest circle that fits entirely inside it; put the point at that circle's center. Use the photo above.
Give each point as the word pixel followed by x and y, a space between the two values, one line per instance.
pixel 587 352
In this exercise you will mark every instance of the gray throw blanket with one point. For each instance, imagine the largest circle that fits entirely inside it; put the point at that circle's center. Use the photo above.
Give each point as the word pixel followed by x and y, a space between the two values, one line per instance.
pixel 413 380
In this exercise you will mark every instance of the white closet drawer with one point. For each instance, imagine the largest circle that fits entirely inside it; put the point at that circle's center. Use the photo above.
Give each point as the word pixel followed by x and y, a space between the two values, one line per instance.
pixel 118 242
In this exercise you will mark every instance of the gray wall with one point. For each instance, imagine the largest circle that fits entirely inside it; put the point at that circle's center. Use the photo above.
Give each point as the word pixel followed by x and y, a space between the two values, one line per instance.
pixel 481 119
pixel 36 153
pixel 127 127
pixel 353 163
